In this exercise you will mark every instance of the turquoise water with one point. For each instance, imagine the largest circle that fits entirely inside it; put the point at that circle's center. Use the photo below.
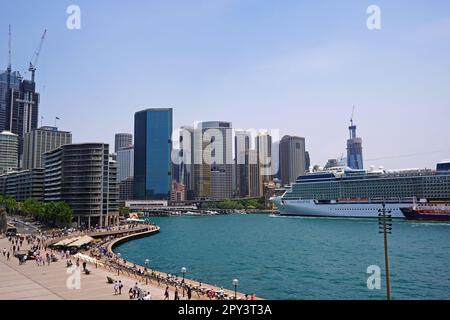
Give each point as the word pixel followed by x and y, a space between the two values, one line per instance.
pixel 300 258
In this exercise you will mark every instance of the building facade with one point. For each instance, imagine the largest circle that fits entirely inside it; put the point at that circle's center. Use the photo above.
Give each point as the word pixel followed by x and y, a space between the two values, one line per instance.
pixel 22 111
pixel 39 141
pixel 354 149
pixel 126 189
pixel 24 184
pixel 8 80
pixel 9 150
pixel 122 140
pixel 152 154
pixel 292 158
pixel 241 153
pixel 125 163
pixel 83 176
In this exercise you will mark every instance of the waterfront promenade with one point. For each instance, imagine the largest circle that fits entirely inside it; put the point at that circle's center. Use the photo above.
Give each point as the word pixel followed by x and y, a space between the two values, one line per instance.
pixel 29 281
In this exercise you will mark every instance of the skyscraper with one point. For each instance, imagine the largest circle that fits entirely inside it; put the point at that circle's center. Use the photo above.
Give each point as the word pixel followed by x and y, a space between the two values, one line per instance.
pixel 8 151
pixel 220 150
pixel 152 154
pixel 122 140
pixel 39 141
pixel 7 80
pixel 264 156
pixel 125 163
pixel 22 110
pixel 292 158
pixel 186 156
pixel 354 149
pixel 307 161
pixel 241 153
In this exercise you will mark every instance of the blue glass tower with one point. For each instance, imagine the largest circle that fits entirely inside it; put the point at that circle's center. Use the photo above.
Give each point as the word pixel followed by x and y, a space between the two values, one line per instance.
pixel 152 154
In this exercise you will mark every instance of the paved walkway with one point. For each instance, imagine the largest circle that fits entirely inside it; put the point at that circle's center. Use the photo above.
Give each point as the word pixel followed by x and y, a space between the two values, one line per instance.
pixel 33 282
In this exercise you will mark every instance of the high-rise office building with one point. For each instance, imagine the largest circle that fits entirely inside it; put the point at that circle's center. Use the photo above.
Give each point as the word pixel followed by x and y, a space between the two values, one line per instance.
pixel 354 149
pixel 292 158
pixel 9 145
pixel 186 157
pixel 264 154
pixel 241 153
pixel 254 177
pixel 83 176
pixel 126 189
pixel 125 163
pixel 152 154
pixel 22 110
pixel 201 168
pixel 8 80
pixel 122 140
pixel 39 141
pixel 307 161
pixel 220 150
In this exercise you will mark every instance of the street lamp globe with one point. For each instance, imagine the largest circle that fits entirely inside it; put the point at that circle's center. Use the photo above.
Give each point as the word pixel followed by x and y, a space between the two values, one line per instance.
pixel 235 282
pixel 183 270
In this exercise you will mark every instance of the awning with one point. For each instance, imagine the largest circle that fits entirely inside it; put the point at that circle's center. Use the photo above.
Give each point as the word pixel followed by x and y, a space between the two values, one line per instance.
pixel 66 242
pixel 81 241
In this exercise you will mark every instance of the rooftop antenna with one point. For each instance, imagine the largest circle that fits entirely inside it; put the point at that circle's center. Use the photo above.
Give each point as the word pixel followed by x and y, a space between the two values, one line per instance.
pixel 9 59
pixel 35 58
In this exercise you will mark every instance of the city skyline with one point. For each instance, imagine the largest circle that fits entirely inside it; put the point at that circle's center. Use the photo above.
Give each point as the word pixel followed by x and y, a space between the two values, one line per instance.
pixel 395 76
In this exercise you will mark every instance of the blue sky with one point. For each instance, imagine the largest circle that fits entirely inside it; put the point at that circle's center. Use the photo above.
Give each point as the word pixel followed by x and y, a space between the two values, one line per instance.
pixel 297 66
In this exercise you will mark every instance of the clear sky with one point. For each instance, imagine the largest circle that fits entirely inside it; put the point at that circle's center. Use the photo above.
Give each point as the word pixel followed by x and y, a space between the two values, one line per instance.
pixel 297 66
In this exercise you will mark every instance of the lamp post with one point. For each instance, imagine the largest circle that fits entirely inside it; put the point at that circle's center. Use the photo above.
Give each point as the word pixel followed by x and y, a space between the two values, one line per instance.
pixel 118 263
pixel 235 284
pixel 147 261
pixel 183 272
pixel 385 227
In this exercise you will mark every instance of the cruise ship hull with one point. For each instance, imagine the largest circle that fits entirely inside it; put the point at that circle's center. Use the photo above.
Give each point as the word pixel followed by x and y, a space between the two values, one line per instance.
pixel 312 208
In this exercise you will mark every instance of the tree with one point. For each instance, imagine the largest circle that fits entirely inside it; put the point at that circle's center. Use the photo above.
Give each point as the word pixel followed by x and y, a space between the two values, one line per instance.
pixel 32 206
pixel 9 202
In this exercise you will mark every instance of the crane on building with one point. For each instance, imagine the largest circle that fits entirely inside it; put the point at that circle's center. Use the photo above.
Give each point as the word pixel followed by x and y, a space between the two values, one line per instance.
pixel 351 118
pixel 35 57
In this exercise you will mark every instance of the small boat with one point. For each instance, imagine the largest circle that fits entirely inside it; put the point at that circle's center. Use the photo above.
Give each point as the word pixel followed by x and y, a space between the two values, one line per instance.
pixel 429 212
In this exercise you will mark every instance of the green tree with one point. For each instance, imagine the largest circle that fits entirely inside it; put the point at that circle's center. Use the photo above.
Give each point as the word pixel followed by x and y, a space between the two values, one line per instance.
pixel 10 203
pixel 32 206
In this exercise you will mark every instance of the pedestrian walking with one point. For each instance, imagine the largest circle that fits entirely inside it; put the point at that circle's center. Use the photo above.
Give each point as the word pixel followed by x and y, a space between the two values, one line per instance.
pixel 166 293
pixel 120 287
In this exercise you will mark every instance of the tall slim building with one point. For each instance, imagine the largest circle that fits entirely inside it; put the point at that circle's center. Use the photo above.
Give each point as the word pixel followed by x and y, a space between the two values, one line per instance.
pixel 22 110
pixel 307 161
pixel 186 156
pixel 254 177
pixel 9 145
pixel 354 149
pixel 125 163
pixel 241 153
pixel 264 154
pixel 83 176
pixel 122 140
pixel 39 141
pixel 152 154
pixel 292 158
pixel 201 168
pixel 221 153
pixel 8 80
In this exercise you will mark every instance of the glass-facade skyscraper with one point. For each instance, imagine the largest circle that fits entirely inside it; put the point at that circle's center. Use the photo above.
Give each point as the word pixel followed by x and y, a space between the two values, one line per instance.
pixel 152 154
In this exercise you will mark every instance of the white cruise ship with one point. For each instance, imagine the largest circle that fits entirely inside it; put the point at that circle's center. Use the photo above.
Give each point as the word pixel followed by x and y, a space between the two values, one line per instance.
pixel 344 192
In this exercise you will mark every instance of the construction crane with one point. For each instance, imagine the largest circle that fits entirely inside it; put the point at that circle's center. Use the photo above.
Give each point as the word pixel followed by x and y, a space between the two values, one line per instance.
pixel 35 57
pixel 9 49
pixel 351 118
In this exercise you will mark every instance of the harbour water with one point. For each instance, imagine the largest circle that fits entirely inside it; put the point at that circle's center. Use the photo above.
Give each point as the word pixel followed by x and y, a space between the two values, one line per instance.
pixel 300 258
